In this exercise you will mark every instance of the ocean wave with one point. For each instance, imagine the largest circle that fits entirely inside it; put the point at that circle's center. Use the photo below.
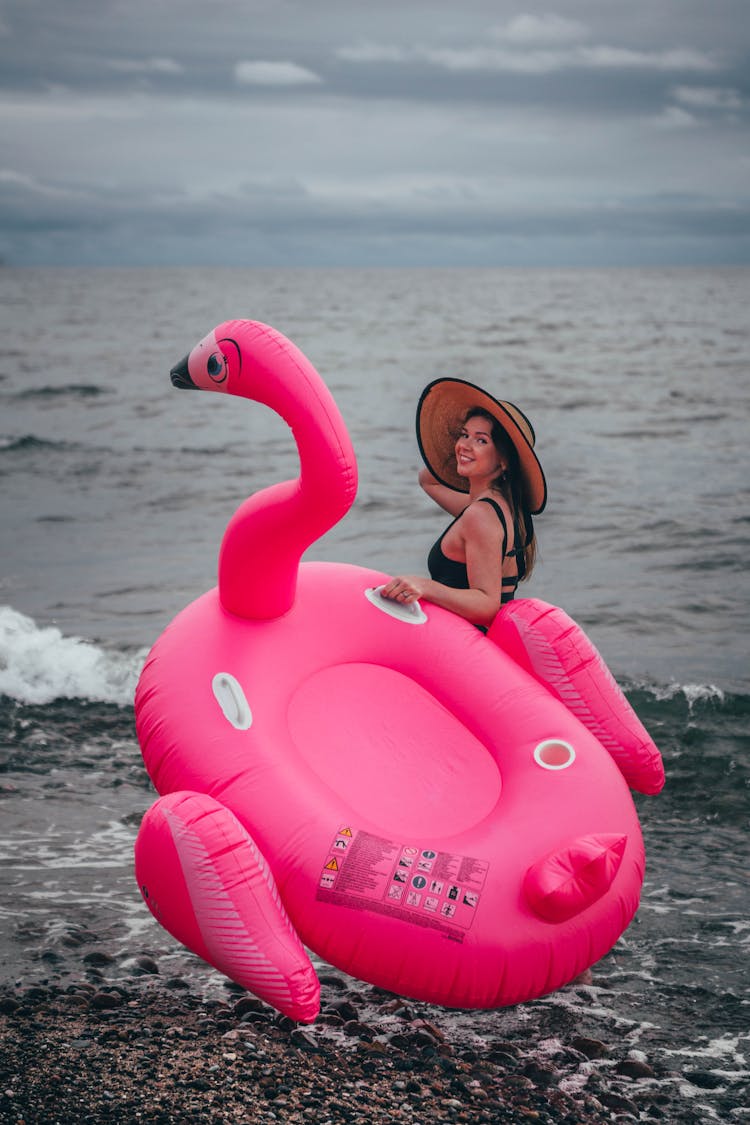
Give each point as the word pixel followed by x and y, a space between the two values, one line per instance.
pixel 69 390
pixel 692 693
pixel 692 696
pixel 29 441
pixel 38 664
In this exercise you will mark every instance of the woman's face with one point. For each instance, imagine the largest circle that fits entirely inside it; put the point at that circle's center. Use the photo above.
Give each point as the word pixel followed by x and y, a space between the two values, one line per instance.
pixel 476 454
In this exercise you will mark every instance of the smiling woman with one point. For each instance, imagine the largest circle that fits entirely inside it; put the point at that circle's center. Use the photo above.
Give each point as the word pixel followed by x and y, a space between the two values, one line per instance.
pixel 481 468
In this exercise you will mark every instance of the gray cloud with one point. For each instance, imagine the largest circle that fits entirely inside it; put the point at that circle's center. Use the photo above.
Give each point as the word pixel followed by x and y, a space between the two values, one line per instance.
pixel 146 66
pixel 535 59
pixel 707 97
pixel 273 131
pixel 276 73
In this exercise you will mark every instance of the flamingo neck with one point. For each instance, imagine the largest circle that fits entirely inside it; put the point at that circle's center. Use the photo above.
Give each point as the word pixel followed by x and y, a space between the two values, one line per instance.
pixel 268 534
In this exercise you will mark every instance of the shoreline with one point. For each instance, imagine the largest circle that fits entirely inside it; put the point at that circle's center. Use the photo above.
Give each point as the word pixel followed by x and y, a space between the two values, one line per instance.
pixel 155 1051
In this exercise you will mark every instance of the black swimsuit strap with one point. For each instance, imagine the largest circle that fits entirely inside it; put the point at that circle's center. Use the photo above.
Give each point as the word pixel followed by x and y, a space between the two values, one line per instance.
pixel 500 516
pixel 515 552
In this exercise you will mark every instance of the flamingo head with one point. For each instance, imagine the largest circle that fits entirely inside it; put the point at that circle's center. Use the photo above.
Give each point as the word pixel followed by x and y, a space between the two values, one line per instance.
pixel 214 364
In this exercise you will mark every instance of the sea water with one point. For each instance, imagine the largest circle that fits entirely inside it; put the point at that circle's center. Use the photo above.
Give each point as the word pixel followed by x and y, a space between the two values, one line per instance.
pixel 115 490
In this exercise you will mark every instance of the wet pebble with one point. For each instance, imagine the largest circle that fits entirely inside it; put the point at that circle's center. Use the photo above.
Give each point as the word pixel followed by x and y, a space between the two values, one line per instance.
pixel 591 1048
pixel 177 983
pixel 304 1039
pixel 539 1074
pixel 102 1000
pixel 705 1079
pixel 634 1068
pixel 145 964
pixel 75 1000
pixel 98 958
pixel 345 1009
pixel 355 1029
pixel 620 1103
pixel 331 980
pixel 248 1004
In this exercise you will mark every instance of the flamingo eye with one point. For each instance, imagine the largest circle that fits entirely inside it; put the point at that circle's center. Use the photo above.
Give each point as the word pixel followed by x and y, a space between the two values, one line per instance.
pixel 216 367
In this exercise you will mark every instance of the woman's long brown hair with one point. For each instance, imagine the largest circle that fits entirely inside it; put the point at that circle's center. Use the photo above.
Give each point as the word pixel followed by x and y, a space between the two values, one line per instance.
pixel 510 485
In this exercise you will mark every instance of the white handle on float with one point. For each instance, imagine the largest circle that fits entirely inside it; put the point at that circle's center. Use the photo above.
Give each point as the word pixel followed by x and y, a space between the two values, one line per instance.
pixel 410 614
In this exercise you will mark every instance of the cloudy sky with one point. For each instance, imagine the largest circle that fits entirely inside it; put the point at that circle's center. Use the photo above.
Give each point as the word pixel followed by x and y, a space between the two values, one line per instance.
pixel 385 132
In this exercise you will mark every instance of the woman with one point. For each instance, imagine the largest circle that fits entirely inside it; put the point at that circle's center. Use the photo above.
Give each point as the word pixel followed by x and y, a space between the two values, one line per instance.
pixel 475 444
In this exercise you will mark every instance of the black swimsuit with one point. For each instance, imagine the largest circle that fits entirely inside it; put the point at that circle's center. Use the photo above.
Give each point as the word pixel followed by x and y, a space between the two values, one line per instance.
pixel 455 574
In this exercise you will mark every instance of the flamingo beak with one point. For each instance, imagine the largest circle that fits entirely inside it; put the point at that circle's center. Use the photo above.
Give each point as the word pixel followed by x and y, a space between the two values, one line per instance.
pixel 180 375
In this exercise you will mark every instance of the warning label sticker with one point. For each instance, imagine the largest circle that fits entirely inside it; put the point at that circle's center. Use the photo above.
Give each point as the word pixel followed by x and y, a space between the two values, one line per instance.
pixel 426 887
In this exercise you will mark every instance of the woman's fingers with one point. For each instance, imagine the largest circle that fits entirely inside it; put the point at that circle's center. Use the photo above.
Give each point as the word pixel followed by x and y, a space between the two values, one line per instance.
pixel 400 589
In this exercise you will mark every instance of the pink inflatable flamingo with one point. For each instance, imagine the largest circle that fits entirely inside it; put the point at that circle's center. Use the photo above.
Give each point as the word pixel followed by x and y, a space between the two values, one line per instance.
pixel 443 814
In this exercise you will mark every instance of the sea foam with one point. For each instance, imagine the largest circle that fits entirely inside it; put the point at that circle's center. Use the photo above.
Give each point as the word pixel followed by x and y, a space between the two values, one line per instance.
pixel 38 664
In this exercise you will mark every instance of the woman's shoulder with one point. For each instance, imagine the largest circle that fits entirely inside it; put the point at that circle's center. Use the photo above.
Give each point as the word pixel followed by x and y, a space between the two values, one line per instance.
pixel 487 513
pixel 492 501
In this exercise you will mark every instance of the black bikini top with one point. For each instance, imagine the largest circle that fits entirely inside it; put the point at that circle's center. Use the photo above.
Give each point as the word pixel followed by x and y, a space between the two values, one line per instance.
pixel 455 574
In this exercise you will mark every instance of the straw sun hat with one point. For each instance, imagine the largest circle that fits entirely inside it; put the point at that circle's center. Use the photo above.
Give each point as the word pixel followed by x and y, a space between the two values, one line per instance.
pixel 442 409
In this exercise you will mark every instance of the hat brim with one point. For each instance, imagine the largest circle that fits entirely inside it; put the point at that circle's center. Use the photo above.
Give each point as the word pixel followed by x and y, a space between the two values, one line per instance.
pixel 442 408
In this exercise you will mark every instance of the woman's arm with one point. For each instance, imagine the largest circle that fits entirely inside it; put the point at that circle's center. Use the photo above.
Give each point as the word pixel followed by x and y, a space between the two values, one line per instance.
pixel 447 498
pixel 483 543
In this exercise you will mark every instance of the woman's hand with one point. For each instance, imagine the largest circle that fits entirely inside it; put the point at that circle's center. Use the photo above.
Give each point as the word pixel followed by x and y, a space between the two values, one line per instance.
pixel 405 589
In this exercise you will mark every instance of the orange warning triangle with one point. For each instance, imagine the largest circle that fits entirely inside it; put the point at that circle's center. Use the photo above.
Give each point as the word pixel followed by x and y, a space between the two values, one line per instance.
pixel 346 832
pixel 332 865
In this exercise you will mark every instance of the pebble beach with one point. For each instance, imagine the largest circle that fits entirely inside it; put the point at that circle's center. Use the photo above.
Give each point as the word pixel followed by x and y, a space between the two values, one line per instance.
pixel 153 1050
